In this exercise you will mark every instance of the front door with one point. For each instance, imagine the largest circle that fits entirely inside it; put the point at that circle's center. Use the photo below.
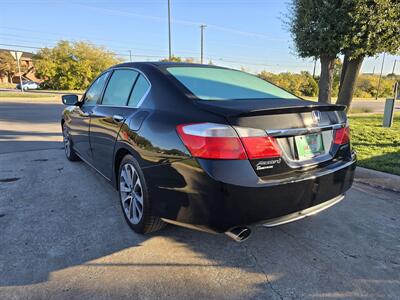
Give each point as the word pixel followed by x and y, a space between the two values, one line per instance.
pixel 80 118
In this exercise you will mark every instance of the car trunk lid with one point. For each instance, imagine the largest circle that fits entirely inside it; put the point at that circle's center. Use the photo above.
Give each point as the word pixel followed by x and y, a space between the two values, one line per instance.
pixel 303 130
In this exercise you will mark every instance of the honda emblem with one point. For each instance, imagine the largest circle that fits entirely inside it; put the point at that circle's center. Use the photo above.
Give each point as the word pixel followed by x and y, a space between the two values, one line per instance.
pixel 316 116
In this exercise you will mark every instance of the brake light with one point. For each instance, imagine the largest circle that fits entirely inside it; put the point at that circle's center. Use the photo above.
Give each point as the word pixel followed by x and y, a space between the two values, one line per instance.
pixel 210 140
pixel 261 147
pixel 342 136
pixel 218 141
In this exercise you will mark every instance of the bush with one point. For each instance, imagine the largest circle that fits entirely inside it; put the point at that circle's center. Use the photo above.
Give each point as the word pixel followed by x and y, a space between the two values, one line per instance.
pixel 366 86
pixel 302 84
pixel 7 85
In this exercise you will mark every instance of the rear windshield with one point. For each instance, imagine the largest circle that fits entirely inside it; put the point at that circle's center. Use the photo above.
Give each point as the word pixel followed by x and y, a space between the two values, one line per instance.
pixel 223 84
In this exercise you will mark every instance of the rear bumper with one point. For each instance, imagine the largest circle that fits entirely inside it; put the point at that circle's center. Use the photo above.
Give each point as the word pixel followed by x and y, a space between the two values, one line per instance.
pixel 215 196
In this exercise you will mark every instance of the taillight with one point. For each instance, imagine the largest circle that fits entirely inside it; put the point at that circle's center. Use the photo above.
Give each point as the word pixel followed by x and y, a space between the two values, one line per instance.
pixel 260 147
pixel 218 141
pixel 342 136
pixel 257 143
pixel 210 140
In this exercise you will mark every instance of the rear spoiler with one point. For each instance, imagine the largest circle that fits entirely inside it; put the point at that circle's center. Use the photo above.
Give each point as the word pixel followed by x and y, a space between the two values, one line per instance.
pixel 292 109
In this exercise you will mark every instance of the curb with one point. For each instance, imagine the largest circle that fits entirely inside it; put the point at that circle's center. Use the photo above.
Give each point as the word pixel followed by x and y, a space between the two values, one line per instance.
pixel 378 179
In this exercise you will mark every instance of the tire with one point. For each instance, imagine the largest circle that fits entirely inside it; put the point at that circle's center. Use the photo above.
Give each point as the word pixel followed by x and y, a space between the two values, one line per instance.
pixel 69 151
pixel 134 198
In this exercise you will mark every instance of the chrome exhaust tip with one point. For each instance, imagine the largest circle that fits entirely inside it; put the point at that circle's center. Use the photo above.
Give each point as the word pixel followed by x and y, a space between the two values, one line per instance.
pixel 239 234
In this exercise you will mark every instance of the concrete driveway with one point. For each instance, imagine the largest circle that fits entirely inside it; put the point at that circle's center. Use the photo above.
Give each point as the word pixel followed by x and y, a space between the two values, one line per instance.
pixel 63 236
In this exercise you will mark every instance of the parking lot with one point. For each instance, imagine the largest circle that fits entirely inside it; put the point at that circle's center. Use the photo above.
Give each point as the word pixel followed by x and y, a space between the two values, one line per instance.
pixel 63 236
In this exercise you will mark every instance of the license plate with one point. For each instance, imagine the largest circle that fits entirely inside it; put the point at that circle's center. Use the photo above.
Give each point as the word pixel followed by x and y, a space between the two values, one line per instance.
pixel 309 145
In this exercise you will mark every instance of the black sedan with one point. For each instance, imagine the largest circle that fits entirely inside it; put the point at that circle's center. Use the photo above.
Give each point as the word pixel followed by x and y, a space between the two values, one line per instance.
pixel 208 148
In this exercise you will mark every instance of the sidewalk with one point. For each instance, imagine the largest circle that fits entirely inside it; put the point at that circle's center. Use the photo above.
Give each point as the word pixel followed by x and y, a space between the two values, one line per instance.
pixel 378 179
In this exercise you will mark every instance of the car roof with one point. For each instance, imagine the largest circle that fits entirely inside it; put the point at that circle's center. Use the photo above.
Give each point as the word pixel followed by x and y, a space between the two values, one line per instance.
pixel 162 64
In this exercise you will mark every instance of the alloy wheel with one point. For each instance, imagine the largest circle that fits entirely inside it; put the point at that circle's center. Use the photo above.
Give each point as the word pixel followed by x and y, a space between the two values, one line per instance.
pixel 131 192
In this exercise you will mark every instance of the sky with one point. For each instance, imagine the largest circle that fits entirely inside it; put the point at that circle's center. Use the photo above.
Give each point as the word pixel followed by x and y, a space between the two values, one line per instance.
pixel 249 34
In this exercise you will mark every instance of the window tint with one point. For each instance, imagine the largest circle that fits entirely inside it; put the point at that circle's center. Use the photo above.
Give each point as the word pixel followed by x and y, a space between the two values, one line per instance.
pixel 119 87
pixel 139 91
pixel 94 92
pixel 223 84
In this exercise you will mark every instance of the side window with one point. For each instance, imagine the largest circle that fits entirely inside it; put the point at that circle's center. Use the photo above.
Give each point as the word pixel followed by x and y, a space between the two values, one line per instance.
pixel 139 90
pixel 119 87
pixel 94 92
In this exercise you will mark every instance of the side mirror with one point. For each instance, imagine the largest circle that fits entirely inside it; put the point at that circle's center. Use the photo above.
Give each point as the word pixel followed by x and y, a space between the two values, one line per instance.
pixel 70 99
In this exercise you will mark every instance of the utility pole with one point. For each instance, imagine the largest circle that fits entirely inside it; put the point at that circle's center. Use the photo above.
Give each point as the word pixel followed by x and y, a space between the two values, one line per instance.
pixel 169 30
pixel 315 64
pixel 130 55
pixel 394 66
pixel 202 26
pixel 380 77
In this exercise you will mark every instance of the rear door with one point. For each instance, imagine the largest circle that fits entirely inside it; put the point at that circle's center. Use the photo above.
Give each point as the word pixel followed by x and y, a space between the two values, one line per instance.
pixel 80 117
pixel 123 93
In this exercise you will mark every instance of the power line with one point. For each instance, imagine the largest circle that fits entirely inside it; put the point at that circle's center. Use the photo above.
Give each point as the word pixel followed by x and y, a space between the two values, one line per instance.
pixel 236 61
pixel 177 21
pixel 21 46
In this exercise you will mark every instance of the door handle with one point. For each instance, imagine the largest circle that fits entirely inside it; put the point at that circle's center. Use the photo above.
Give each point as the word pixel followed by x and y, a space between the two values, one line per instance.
pixel 118 118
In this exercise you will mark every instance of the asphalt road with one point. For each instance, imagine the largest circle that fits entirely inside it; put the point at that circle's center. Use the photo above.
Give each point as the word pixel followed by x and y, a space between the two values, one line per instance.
pixel 373 106
pixel 63 236
pixel 26 126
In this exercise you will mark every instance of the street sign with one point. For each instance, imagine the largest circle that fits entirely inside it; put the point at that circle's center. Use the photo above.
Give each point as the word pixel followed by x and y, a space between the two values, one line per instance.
pixel 16 54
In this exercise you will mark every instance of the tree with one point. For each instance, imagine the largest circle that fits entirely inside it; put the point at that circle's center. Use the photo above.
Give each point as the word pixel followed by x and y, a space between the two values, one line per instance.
pixel 8 65
pixel 70 66
pixel 354 28
pixel 373 28
pixel 178 59
pixel 317 28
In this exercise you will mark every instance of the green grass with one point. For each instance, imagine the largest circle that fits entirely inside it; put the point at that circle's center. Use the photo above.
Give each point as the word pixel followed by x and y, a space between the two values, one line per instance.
pixel 6 85
pixel 377 147
pixel 360 110
pixel 24 95
pixel 66 91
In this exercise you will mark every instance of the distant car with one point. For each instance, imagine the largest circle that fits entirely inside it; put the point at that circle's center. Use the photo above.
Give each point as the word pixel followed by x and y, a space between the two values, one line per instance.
pixel 209 148
pixel 28 85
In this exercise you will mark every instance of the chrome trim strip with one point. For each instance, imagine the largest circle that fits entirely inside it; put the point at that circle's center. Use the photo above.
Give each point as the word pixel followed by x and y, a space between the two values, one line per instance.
pixel 116 106
pixel 302 131
pixel 303 213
